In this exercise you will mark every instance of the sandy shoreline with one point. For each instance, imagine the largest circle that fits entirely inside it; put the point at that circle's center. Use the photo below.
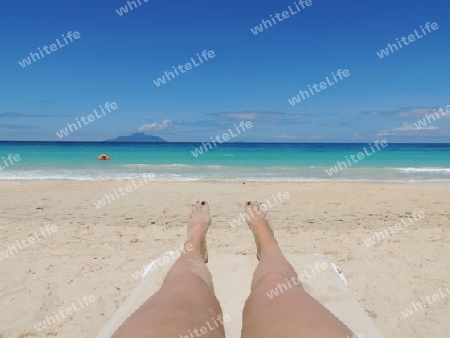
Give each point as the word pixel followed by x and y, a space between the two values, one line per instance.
pixel 96 251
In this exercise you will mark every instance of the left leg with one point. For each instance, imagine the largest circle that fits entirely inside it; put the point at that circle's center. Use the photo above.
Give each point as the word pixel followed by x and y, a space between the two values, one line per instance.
pixel 186 303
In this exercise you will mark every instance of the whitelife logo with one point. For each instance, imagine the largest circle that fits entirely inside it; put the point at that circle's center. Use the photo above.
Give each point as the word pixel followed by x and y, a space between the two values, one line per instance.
pixel 90 118
pixel 129 5
pixel 225 137
pixel 63 313
pixel 415 307
pixel 243 217
pixel 393 229
pixel 109 198
pixel 208 327
pixel 25 243
pixel 304 94
pixel 166 258
pixel 411 38
pixel 12 159
pixel 284 14
pixel 187 67
pixel 281 287
pixel 437 115
pixel 53 48
pixel 361 156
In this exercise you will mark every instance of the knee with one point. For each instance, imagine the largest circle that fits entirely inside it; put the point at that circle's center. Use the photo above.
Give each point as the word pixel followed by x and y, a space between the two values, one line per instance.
pixel 188 281
pixel 269 286
pixel 190 277
pixel 271 278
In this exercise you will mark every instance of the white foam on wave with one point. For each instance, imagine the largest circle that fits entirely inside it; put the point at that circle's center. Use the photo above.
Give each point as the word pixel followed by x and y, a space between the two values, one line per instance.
pixel 214 166
pixel 424 170
pixel 233 174
pixel 143 166
pixel 180 178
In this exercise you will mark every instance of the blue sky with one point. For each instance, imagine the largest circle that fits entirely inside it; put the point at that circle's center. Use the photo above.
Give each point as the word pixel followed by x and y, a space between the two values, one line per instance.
pixel 251 77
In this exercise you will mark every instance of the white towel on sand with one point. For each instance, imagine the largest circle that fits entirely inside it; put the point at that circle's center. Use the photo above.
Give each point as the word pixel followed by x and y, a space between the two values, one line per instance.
pixel 232 275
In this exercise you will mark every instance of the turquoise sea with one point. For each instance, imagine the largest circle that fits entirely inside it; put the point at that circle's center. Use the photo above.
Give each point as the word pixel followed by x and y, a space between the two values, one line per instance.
pixel 228 161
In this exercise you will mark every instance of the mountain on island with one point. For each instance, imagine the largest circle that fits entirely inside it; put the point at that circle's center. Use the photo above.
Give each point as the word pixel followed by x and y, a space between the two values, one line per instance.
pixel 138 137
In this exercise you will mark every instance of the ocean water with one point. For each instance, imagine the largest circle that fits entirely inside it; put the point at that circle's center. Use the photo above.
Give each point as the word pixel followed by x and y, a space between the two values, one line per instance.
pixel 228 161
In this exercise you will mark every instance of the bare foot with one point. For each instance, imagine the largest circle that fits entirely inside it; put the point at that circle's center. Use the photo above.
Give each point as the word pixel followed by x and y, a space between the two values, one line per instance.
pixel 199 220
pixel 259 223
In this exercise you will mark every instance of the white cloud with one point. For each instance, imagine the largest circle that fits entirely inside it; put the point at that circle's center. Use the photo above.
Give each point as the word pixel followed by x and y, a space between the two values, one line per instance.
pixel 413 113
pixel 260 117
pixel 244 116
pixel 406 128
pixel 408 112
pixel 420 112
pixel 166 124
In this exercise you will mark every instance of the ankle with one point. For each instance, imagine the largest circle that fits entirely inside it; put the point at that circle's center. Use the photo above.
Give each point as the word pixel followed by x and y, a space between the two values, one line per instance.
pixel 265 235
pixel 269 251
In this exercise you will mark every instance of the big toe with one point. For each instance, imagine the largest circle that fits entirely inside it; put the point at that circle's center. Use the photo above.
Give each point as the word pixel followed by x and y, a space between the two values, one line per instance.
pixel 253 207
pixel 249 206
pixel 205 206
pixel 199 208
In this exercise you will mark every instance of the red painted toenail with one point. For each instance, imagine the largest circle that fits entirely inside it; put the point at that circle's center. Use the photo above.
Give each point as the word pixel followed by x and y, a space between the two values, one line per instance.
pixel 203 202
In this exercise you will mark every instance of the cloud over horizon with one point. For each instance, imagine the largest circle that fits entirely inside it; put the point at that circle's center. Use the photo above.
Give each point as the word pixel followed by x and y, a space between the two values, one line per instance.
pixel 166 124
pixel 406 112
pixel 406 130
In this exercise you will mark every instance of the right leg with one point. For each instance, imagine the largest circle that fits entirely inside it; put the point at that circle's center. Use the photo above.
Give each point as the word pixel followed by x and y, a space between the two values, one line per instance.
pixel 186 303
pixel 291 313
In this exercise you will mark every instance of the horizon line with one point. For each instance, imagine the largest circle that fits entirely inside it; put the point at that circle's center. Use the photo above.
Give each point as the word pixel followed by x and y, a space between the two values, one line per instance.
pixel 201 142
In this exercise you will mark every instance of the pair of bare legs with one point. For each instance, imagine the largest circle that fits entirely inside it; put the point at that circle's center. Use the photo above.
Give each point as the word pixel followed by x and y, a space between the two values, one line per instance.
pixel 186 300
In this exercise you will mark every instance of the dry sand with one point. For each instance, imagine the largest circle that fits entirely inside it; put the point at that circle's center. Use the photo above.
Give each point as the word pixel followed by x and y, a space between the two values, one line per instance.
pixel 95 251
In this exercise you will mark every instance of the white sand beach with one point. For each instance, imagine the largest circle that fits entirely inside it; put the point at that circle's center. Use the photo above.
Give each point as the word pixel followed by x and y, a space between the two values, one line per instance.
pixel 95 252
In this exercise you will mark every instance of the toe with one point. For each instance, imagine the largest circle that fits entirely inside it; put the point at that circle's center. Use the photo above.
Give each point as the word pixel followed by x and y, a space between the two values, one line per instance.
pixel 198 207
pixel 256 206
pixel 192 211
pixel 205 206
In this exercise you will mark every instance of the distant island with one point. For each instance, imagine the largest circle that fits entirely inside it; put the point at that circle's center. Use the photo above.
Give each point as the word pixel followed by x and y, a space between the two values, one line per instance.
pixel 138 137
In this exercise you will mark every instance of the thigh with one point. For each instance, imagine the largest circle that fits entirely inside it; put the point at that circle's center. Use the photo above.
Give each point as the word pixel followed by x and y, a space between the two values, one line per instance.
pixel 183 308
pixel 279 308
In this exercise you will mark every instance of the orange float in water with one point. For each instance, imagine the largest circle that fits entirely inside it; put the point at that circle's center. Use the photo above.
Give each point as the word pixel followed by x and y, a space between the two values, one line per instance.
pixel 103 157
